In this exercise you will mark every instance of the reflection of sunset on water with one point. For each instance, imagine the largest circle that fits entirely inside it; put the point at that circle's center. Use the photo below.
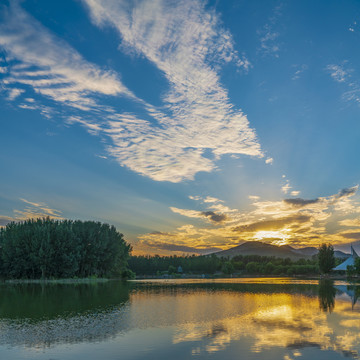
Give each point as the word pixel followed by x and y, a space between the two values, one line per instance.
pixel 212 322
pixel 260 318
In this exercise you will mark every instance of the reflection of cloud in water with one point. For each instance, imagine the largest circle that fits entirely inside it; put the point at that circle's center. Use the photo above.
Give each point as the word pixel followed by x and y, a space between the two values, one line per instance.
pixel 293 324
pixel 351 323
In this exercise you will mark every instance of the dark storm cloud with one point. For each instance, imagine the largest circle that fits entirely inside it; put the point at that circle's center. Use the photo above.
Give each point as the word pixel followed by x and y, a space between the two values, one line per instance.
pixel 214 217
pixel 272 224
pixel 298 202
pixel 347 192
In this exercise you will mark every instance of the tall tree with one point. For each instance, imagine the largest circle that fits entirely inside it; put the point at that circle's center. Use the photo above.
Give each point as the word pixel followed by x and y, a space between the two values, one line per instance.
pixel 52 248
pixel 326 258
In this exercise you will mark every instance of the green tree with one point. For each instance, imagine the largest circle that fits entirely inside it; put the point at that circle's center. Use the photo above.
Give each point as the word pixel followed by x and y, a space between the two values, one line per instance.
pixel 350 270
pixel 252 267
pixel 172 269
pixel 44 248
pixel 269 268
pixel 238 265
pixel 326 258
pixel 227 268
pixel 357 265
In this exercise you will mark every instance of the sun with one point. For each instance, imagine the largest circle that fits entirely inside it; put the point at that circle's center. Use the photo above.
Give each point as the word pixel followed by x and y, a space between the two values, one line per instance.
pixel 279 237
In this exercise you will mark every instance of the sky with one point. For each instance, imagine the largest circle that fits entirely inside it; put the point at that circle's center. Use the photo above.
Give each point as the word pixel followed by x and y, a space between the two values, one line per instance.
pixel 192 126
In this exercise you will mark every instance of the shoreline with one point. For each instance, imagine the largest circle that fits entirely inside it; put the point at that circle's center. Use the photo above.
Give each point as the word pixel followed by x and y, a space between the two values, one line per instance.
pixel 57 281
pixel 207 276
pixel 192 277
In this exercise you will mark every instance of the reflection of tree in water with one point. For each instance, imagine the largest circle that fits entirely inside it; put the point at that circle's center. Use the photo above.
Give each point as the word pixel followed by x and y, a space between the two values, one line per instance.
pixel 48 301
pixel 327 294
pixel 41 316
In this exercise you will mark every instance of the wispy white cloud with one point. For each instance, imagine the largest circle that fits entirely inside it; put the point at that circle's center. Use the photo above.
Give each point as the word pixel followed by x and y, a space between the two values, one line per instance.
pixel 338 72
pixel 31 210
pixel 269 160
pixel 211 199
pixel 207 199
pixel 36 210
pixel 196 124
pixel 101 156
pixel 187 44
pixel 92 127
pixel 14 93
pixel 353 26
pixel 353 94
pixel 343 74
pixel 49 65
pixel 285 188
pixel 299 70
pixel 269 37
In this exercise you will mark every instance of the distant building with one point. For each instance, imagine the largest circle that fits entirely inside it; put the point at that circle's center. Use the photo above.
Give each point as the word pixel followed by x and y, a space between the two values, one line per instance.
pixel 349 261
pixel 180 269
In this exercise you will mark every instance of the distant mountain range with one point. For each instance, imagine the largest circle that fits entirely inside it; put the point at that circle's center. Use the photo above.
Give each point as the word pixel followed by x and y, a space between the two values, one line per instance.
pixel 283 251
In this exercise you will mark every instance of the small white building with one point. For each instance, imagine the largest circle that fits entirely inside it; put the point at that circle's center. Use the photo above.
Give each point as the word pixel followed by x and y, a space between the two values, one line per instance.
pixel 349 261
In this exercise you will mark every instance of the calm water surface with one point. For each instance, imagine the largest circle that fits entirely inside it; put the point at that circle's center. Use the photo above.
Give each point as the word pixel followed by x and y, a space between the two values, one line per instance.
pixel 194 319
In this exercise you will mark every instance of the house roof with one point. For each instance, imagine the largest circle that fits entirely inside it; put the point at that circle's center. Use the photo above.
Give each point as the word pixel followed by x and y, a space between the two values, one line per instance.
pixel 349 261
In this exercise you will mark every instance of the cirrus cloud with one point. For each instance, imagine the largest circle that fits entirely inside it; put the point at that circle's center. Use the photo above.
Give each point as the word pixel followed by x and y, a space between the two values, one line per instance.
pixel 187 44
pixel 196 122
pixel 44 62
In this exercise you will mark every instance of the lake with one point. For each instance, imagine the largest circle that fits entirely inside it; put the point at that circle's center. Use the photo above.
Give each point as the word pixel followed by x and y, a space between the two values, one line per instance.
pixel 257 318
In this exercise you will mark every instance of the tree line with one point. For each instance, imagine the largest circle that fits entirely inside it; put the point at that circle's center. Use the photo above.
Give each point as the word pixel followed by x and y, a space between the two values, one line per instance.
pixel 209 264
pixel 47 248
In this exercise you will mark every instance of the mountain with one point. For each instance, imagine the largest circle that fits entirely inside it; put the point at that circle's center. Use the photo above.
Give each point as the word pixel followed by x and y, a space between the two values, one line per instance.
pixel 283 251
pixel 346 246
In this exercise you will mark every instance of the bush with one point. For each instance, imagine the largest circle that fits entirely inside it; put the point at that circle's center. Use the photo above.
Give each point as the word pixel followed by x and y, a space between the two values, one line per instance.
pixel 127 274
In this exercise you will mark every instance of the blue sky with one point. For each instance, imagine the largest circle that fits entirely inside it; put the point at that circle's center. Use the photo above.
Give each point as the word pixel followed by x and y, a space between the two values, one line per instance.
pixel 189 125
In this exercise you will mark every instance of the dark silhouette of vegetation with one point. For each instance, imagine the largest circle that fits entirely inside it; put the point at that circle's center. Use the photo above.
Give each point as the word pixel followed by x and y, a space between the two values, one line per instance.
pixel 326 258
pixel 46 248
pixel 210 264
pixel 151 265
